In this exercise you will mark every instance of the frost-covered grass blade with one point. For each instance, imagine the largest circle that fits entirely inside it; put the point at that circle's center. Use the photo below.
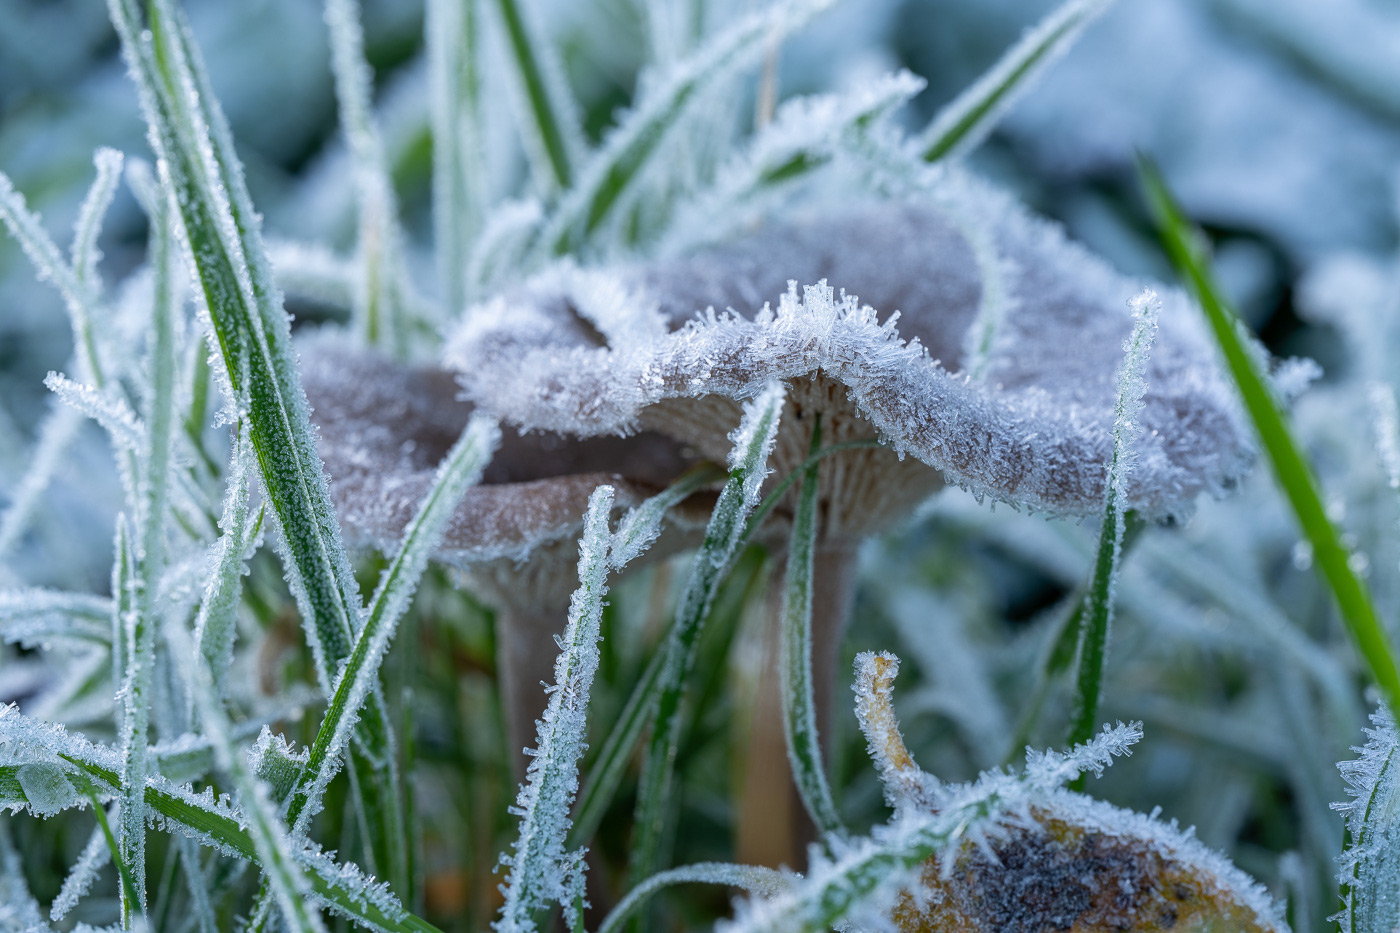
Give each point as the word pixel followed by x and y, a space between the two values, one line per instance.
pixel 962 125
pixel 753 442
pixel 752 878
pixel 1097 616
pixel 542 870
pixel 553 136
pixel 799 713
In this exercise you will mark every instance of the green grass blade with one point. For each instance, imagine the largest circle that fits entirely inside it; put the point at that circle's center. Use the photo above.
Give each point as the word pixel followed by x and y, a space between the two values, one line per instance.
pixel 269 837
pixel 553 136
pixel 962 125
pixel 799 714
pixel 201 171
pixel 616 168
pixel 1097 616
pixel 1291 470
pixel 748 462
pixel 460 469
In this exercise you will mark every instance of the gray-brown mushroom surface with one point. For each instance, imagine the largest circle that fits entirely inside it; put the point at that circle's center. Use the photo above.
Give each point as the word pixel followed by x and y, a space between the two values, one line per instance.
pixel 384 427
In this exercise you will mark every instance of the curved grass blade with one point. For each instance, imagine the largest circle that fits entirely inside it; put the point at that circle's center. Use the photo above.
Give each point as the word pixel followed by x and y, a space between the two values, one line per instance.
pixel 1294 475
pixel 799 714
pixel 753 878
pixel 962 125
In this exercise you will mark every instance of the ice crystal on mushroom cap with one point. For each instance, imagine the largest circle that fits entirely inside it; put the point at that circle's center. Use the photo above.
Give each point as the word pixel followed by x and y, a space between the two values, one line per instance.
pixel 970 274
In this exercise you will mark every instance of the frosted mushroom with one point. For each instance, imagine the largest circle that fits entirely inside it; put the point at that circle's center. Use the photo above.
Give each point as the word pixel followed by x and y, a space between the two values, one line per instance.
pixel 384 427
pixel 982 351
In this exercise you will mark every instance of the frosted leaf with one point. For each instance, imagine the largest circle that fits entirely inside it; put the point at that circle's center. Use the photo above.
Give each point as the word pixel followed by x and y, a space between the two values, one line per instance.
pixel 274 763
pixel 109 411
pixel 58 429
pixel 87 228
pixel 904 784
pixel 1035 430
pixel 1069 862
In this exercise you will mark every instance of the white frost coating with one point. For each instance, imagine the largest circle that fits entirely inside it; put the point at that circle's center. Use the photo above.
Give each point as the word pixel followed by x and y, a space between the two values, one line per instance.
pixel 755 879
pixel 311 271
pixel 1035 430
pixel 94 857
pixel 109 411
pixel 806 132
pixel 540 868
pixel 857 882
pixel 85 254
pixel 216 624
pixel 1370 866
pixel 501 247
pixel 55 434
pixel 905 786
pixel 1014 73
pixel 33 616
pixel 1132 388
pixel 753 439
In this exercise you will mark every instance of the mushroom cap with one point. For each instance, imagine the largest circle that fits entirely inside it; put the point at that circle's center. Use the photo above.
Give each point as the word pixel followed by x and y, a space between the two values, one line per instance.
pixel 383 428
pixel 593 352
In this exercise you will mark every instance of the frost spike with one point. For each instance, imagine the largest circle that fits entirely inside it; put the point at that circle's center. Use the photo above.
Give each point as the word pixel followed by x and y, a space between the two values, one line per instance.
pixel 1097 616
pixel 539 865
pixel 962 125
pixel 753 443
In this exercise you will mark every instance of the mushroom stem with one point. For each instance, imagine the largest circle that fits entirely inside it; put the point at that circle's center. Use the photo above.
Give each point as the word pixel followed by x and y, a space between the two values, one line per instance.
pixel 525 652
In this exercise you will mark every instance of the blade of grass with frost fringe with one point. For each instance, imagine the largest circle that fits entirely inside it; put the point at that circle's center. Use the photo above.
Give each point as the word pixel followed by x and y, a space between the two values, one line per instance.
pixel 56 432
pixel 1291 469
pixel 635 533
pixel 376 308
pixel 34 615
pixel 753 878
pixel 504 243
pixel 268 835
pixel 539 864
pixel 126 883
pixel 806 134
pixel 1370 873
pixel 553 136
pixel 189 133
pixel 962 125
pixel 94 857
pixel 197 883
pixel 460 469
pixel 217 621
pixel 149 554
pixel 753 442
pixel 85 255
pixel 1097 616
pixel 616 167
pixel 795 664
pixel 78 296
pixel 451 28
